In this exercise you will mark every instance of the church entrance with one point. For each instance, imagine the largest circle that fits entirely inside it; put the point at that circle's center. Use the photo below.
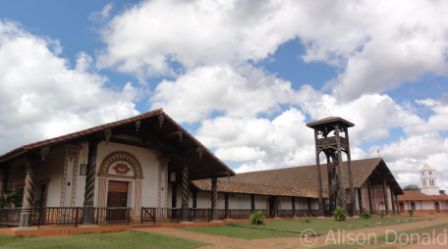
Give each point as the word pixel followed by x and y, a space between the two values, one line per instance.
pixel 117 198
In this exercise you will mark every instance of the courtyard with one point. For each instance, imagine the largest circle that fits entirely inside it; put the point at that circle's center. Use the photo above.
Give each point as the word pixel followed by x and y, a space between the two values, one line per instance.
pixel 387 232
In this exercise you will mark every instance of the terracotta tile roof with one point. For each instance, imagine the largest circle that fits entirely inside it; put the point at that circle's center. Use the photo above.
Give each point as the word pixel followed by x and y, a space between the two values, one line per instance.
pixel 295 181
pixel 225 185
pixel 218 164
pixel 416 195
pixel 329 120
pixel 74 135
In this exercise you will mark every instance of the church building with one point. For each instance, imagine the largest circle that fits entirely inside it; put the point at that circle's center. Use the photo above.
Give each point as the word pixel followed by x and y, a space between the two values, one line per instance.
pixel 149 169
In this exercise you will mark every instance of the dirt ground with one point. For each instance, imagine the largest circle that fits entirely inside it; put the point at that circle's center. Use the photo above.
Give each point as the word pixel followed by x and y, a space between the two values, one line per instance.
pixel 216 241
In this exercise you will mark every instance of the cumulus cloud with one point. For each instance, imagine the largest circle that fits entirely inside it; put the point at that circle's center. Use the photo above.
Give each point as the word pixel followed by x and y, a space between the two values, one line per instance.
pixel 242 92
pixel 406 156
pixel 43 96
pixel 377 45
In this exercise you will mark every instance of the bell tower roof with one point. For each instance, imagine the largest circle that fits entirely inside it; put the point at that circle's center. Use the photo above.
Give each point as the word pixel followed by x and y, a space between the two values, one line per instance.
pixel 426 167
pixel 328 121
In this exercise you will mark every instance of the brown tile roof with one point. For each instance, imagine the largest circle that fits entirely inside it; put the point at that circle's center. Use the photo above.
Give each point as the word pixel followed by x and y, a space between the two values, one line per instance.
pixel 295 181
pixel 329 120
pixel 416 195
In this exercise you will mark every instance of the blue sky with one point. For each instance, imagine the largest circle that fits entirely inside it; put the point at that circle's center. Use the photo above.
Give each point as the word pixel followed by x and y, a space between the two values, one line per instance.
pixel 244 77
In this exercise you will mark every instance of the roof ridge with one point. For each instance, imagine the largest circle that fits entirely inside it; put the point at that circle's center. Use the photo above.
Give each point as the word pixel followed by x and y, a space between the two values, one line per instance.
pixel 304 166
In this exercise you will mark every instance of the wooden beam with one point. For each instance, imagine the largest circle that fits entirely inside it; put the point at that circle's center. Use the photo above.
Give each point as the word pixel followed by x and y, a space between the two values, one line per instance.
pixel 137 124
pixel 178 133
pixel 44 152
pixel 161 118
pixel 107 135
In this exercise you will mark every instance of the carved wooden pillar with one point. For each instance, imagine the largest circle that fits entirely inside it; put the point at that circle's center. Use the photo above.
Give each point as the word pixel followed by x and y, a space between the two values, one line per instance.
pixel 350 174
pixel 226 205
pixel 361 208
pixel 185 192
pixel 392 201
pixel 28 193
pixel 213 198
pixel 369 193
pixel 252 202
pixel 309 206
pixel 89 192
pixel 293 204
pixel 386 203
pixel 319 179
pixel 174 194
pixel 194 193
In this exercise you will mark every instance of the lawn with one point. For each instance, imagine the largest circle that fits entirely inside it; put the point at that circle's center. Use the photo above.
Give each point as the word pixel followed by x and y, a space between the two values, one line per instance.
pixel 130 240
pixel 293 227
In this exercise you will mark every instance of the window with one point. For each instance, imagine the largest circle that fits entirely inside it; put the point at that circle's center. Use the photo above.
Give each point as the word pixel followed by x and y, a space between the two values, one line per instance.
pixel 430 172
pixel 424 183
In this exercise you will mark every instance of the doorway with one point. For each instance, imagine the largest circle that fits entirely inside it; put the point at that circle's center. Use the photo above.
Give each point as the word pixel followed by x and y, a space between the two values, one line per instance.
pixel 117 200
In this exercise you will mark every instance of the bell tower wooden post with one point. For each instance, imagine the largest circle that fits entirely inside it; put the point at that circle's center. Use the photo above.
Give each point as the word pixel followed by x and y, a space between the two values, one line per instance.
pixel 331 138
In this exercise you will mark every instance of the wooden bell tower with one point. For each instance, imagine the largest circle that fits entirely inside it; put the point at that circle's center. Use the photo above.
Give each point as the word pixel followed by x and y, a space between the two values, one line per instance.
pixel 331 138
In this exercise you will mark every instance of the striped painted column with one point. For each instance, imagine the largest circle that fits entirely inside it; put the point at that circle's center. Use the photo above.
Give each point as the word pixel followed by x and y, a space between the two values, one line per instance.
pixel 89 192
pixel 185 192
pixel 213 198
pixel 28 193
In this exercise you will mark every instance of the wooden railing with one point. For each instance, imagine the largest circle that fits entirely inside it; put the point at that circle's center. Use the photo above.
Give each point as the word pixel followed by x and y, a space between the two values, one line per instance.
pixel 10 216
pixel 65 216
pixel 205 214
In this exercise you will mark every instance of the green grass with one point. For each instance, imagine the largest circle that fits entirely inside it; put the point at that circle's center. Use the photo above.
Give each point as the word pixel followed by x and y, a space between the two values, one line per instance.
pixel 129 240
pixel 293 227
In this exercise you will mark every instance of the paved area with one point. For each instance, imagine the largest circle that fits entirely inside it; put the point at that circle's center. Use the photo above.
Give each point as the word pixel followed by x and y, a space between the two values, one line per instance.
pixel 216 241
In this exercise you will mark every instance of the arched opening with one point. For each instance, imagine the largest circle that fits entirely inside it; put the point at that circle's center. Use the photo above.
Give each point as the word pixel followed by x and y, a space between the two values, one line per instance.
pixel 120 183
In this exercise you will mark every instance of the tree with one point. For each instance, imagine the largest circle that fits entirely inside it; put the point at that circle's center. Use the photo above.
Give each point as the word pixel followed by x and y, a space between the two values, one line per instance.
pixel 411 187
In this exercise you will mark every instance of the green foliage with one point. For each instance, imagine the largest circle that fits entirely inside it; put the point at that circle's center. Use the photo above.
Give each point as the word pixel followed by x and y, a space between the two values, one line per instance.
pixel 9 199
pixel 340 214
pixel 306 219
pixel 411 187
pixel 411 212
pixel 257 218
pixel 382 214
pixel 366 215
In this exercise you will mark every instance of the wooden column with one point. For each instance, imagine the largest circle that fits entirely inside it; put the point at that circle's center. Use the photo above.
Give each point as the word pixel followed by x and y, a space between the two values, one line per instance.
pixel 392 201
pixel 361 208
pixel 226 205
pixel 28 193
pixel 89 192
pixel 309 206
pixel 213 198
pixel 174 194
pixel 252 202
pixel 386 204
pixel 369 193
pixel 350 174
pixel 195 198
pixel 319 178
pixel 185 192
pixel 293 204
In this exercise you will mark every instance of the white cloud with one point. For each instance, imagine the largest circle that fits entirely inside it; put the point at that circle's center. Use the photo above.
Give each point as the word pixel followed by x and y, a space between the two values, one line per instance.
pixel 377 45
pixel 243 92
pixel 42 96
pixel 438 119
pixel 282 141
pixel 102 14
pixel 406 156
pixel 146 38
